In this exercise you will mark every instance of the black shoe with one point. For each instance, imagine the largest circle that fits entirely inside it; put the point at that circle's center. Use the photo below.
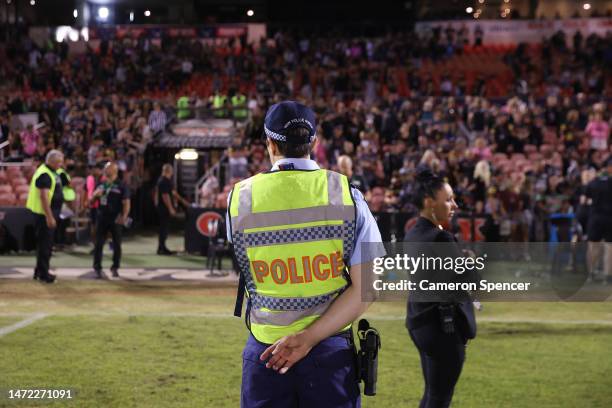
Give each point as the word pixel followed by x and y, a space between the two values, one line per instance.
pixel 38 276
pixel 99 274
pixel 115 272
pixel 165 251
pixel 47 279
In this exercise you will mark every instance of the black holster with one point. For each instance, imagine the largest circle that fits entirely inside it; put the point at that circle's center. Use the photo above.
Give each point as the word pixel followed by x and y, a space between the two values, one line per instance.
pixel 367 356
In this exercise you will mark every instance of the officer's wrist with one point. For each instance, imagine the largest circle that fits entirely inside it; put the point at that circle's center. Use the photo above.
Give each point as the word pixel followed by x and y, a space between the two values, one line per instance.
pixel 309 337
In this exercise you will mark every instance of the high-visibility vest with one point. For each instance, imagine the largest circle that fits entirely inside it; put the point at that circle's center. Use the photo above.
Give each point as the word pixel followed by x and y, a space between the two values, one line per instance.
pixel 239 106
pixel 218 105
pixel 34 203
pixel 182 106
pixel 292 232
pixel 67 190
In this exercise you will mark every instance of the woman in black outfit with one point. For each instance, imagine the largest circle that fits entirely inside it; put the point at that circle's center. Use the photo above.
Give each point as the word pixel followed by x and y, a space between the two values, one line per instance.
pixel 441 348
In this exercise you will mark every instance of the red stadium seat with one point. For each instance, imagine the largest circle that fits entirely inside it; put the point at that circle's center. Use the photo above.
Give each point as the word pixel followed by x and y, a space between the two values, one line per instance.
pixel 18 181
pixel 22 199
pixel 22 188
pixel 7 199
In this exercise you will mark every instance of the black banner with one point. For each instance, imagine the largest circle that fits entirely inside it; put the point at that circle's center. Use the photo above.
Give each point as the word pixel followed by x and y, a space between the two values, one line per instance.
pixel 18 229
pixel 203 224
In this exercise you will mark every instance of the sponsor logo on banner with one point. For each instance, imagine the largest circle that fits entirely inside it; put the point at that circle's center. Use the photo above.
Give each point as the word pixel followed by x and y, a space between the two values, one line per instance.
pixel 208 223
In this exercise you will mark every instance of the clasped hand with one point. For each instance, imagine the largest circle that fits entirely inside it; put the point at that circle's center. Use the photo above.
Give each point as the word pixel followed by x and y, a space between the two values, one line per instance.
pixel 287 351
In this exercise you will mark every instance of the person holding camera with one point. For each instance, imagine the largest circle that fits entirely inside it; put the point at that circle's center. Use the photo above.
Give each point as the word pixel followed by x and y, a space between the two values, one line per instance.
pixel 439 324
pixel 297 232
pixel 114 207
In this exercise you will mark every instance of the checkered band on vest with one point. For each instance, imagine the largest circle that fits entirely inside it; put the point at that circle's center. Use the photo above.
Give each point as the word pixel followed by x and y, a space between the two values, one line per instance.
pixel 323 232
pixel 259 301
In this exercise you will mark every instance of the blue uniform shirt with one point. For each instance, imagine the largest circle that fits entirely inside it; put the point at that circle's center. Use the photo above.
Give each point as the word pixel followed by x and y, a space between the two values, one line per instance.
pixel 366 228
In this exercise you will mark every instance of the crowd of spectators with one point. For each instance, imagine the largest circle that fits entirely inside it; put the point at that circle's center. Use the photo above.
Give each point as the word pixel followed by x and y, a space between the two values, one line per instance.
pixel 515 157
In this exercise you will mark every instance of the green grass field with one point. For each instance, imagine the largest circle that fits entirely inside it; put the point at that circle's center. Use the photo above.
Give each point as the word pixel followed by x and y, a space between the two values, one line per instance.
pixel 175 344
pixel 127 344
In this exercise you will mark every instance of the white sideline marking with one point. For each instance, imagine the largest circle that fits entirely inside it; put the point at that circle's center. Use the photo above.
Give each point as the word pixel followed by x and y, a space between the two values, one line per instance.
pixel 20 325
pixel 228 316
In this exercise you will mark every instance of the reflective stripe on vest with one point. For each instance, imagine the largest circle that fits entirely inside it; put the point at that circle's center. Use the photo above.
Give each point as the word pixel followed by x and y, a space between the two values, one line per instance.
pixel 34 203
pixel 292 232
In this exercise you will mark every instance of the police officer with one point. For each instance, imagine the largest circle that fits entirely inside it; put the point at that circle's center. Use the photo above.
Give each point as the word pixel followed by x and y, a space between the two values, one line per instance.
pixel 166 196
pixel 114 199
pixel 45 200
pixel 599 196
pixel 296 231
pixel 441 346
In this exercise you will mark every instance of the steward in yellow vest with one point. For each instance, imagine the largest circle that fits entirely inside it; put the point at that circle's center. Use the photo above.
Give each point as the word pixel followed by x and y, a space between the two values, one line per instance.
pixel 239 106
pixel 296 231
pixel 182 107
pixel 45 201
pixel 218 104
pixel 67 190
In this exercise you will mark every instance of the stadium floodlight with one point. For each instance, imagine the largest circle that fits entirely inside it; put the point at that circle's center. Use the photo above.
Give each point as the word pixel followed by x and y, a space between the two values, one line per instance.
pixel 73 35
pixel 506 1
pixel 469 10
pixel 103 13
pixel 250 13
pixel 147 13
pixel 131 16
pixel 75 13
pixel 481 1
pixel 32 2
pixel 188 154
pixel 586 6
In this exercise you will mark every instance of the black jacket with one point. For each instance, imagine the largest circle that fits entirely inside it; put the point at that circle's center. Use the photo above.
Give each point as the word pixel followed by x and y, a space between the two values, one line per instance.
pixel 425 231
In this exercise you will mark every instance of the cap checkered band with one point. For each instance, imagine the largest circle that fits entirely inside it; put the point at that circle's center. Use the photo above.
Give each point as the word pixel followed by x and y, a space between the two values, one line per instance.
pixel 281 138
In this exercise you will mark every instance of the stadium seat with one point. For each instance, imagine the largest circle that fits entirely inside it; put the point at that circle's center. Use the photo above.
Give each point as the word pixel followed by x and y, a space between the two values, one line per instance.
pixel 7 199
pixel 21 189
pixel 5 188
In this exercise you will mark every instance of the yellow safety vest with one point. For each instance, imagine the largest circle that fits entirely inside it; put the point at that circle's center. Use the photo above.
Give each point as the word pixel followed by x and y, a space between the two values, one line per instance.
pixel 34 202
pixel 218 105
pixel 67 191
pixel 182 107
pixel 292 232
pixel 239 106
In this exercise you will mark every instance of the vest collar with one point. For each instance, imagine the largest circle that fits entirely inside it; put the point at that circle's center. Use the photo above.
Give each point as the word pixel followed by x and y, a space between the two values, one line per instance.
pixel 298 164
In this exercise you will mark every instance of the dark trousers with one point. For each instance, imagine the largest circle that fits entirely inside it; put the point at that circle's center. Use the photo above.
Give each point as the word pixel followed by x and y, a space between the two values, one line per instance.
pixel 325 378
pixel 44 238
pixel 104 225
pixel 442 356
pixel 164 220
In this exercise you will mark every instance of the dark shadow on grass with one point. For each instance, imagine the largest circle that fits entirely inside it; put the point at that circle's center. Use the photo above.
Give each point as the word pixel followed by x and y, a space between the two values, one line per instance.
pixel 534 329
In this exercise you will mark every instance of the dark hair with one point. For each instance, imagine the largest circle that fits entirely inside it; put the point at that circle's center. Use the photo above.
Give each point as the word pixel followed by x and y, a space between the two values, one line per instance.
pixel 291 149
pixel 427 185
